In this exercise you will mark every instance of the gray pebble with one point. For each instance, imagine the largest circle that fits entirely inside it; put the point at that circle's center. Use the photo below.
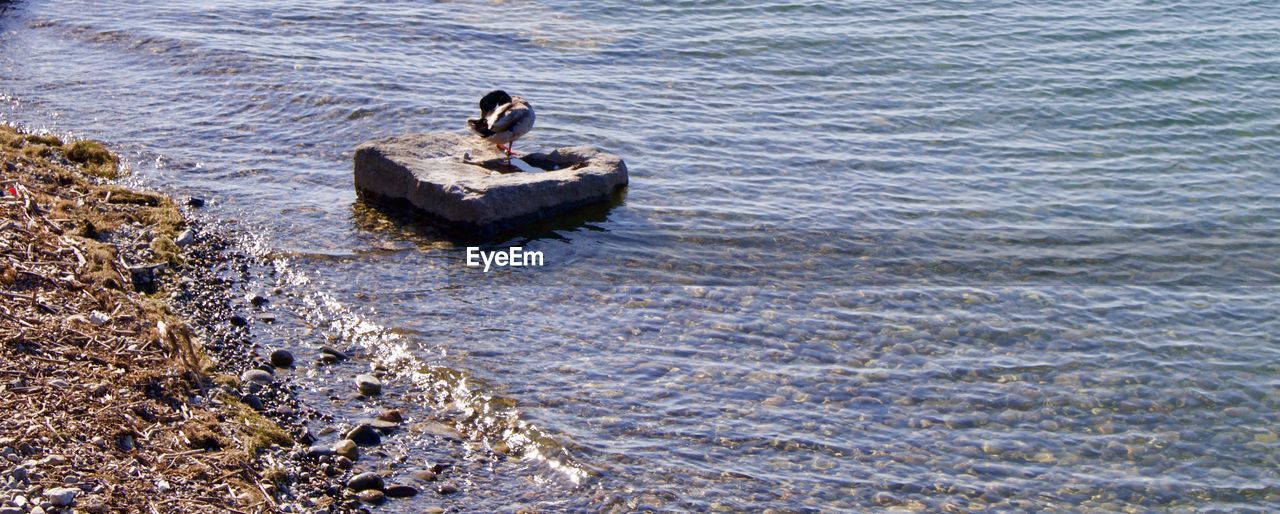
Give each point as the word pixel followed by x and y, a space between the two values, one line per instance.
pixel 61 496
pixel 256 375
pixel 346 448
pixel 185 238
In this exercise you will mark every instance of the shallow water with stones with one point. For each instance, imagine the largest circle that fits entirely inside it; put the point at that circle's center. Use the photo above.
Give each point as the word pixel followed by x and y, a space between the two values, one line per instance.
pixel 933 256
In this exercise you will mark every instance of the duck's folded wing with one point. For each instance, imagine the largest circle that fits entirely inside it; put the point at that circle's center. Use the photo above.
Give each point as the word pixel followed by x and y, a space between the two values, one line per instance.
pixel 507 116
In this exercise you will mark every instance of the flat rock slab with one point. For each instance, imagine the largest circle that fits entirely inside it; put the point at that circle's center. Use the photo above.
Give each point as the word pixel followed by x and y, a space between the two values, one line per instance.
pixel 442 174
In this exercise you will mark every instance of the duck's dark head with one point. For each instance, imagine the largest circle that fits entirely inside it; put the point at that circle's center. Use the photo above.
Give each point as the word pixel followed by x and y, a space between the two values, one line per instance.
pixel 492 100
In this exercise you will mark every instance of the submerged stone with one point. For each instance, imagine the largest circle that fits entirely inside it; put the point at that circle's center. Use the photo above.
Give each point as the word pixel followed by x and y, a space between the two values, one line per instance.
pixel 368 385
pixel 366 481
pixel 439 174
pixel 364 435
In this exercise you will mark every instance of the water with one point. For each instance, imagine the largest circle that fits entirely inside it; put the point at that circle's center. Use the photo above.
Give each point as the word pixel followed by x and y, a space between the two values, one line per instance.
pixel 939 256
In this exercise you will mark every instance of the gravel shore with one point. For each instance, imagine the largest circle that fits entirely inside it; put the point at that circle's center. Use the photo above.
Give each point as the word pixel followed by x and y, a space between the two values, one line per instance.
pixel 112 402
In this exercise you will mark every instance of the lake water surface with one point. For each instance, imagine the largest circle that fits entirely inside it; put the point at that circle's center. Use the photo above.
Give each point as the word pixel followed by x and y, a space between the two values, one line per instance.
pixel 932 256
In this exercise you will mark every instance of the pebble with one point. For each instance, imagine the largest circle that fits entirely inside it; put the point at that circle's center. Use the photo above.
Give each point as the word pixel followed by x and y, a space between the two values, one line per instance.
pixel 424 475
pixel 433 510
pixel 282 359
pixel 371 496
pixel 185 238
pixel 364 435
pixel 346 448
pixel 99 318
pixel 255 299
pixel 401 491
pixel 392 416
pixel 368 385
pixel 196 202
pixel 343 462
pixel 331 356
pixel 61 496
pixel 19 473
pixel 366 481
pixel 256 375
pixel 447 489
pixel 238 321
pixel 317 451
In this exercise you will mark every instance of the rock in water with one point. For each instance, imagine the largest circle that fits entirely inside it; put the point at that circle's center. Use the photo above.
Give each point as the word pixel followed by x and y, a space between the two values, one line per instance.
pixel 331 355
pixel 392 416
pixel 365 482
pixel 371 496
pixel 369 385
pixel 282 359
pixel 401 491
pixel 61 496
pixel 364 435
pixel 433 173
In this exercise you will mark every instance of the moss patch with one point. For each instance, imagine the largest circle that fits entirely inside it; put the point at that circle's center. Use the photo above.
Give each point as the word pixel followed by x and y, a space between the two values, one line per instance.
pixel 95 158
pixel 256 431
pixel 47 140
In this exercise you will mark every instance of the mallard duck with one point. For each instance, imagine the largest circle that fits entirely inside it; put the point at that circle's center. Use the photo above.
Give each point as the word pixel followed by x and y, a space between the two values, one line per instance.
pixel 503 119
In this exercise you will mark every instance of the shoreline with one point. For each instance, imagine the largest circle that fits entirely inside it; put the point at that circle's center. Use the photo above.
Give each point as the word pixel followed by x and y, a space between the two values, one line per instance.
pixel 120 395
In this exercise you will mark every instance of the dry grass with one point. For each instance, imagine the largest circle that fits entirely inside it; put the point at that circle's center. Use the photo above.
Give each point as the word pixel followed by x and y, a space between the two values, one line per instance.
pixel 113 397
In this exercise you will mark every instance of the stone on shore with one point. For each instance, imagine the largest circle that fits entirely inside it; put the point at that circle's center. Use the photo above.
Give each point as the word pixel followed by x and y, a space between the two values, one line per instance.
pixel 185 238
pixel 61 496
pixel 256 375
pixel 347 448
pixel 438 174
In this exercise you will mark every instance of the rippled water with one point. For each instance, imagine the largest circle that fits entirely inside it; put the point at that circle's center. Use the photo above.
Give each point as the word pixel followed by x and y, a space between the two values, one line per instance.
pixel 942 256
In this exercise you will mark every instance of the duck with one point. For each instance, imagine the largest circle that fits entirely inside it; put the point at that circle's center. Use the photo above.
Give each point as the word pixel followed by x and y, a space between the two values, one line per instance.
pixel 503 119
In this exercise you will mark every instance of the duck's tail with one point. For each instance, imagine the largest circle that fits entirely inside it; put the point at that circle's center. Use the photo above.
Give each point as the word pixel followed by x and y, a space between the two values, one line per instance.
pixel 480 127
